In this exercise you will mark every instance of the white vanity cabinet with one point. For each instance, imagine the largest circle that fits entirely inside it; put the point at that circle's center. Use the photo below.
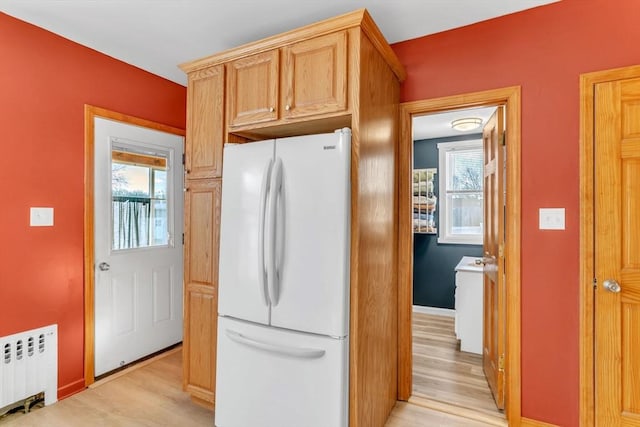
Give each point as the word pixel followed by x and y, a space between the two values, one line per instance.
pixel 469 305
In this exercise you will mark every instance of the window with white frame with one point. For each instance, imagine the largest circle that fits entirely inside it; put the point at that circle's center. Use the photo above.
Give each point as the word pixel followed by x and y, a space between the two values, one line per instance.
pixel 461 198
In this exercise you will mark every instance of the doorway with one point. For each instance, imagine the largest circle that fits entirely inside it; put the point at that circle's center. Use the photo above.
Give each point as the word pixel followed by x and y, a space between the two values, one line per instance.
pixel 133 239
pixel 449 219
pixel 509 366
pixel 609 250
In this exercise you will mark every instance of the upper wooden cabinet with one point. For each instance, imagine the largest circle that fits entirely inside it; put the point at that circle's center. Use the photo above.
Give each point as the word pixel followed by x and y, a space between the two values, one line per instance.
pixel 304 81
pixel 300 80
pixel 314 76
pixel 252 89
pixel 205 123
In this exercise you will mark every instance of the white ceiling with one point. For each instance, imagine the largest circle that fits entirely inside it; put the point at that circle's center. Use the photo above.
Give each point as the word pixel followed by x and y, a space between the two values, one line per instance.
pixel 156 35
pixel 438 125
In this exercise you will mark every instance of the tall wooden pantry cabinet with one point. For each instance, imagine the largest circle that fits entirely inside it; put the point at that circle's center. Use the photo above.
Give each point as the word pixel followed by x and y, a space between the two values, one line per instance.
pixel 335 73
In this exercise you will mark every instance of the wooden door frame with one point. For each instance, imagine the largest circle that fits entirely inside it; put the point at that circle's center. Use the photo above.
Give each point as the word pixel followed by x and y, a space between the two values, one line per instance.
pixel 587 239
pixel 510 98
pixel 90 114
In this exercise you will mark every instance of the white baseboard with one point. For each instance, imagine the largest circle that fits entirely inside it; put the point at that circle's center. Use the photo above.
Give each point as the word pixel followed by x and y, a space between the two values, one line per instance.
pixel 434 310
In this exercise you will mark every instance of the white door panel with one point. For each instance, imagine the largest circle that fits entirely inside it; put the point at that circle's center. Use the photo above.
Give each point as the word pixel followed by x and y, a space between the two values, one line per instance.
pixel 313 279
pixel 138 291
pixel 268 377
pixel 241 292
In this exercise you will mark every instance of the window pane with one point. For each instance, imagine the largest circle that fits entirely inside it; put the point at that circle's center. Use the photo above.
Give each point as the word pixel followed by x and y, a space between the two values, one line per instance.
pixel 465 169
pixel 129 180
pixel 160 184
pixel 139 220
pixel 466 212
pixel 159 215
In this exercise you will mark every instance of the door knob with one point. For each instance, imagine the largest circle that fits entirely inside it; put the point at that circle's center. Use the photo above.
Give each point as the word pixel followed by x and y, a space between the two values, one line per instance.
pixel 103 266
pixel 612 285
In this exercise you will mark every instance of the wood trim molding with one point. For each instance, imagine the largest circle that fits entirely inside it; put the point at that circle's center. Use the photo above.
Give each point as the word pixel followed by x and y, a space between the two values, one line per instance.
pixel 90 113
pixel 587 267
pixel 353 19
pixel 510 97
pixel 526 422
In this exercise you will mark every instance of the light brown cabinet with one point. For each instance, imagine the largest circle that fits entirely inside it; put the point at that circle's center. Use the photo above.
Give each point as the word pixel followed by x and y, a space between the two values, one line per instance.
pixel 335 73
pixel 202 225
pixel 304 79
pixel 199 354
pixel 252 89
pixel 314 76
pixel 205 129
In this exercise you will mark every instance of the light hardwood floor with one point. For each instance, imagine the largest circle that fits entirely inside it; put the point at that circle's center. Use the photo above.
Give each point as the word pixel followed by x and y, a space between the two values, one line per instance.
pixel 442 373
pixel 151 396
pixel 147 396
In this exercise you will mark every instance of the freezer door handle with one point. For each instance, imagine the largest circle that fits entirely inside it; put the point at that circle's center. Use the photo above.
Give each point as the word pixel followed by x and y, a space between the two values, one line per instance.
pixel 272 276
pixel 264 194
pixel 297 352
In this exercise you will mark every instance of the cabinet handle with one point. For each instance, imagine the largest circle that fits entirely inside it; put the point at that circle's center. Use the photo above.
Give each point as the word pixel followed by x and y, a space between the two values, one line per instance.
pixel 287 107
pixel 271 109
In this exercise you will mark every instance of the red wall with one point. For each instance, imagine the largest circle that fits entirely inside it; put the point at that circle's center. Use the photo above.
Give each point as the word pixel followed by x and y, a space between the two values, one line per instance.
pixel 45 81
pixel 544 50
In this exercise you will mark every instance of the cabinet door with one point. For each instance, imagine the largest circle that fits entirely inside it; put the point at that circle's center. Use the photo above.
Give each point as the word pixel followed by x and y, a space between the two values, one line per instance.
pixel 202 227
pixel 252 89
pixel 199 350
pixel 205 130
pixel 314 76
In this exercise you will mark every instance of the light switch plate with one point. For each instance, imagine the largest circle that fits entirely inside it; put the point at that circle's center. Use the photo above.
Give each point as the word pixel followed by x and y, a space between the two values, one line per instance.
pixel 41 217
pixel 552 219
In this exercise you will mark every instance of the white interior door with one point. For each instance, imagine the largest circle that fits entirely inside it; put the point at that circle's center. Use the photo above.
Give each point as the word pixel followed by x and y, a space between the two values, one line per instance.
pixel 138 221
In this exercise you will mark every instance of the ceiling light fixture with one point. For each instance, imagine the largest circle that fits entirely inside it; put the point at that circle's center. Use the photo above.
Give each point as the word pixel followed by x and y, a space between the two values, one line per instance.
pixel 466 124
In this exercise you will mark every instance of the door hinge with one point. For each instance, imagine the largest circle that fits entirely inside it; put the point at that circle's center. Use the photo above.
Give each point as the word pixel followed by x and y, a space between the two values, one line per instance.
pixel 595 283
pixel 184 158
pixel 501 250
pixel 501 363
pixel 503 139
pixel 183 238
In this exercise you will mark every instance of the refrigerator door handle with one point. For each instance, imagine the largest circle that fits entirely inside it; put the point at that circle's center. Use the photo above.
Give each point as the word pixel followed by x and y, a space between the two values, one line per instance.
pixel 275 186
pixel 297 352
pixel 280 234
pixel 262 268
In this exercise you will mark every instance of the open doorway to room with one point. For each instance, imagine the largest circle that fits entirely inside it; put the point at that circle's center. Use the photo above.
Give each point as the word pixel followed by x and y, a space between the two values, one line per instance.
pixel 448 224
pixel 458 274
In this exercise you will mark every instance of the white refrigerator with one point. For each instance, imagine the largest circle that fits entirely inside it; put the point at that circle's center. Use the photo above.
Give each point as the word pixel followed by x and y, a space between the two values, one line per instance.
pixel 283 308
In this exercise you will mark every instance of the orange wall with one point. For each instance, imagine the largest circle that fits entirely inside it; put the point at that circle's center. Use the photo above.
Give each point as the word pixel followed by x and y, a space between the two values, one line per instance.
pixel 45 81
pixel 543 50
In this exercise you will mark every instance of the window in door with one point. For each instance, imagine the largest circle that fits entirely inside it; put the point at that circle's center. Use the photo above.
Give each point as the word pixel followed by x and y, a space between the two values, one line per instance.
pixel 140 214
pixel 461 198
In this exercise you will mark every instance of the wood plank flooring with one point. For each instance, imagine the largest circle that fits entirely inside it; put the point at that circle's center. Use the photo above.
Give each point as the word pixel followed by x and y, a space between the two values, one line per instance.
pixel 442 373
pixel 145 397
pixel 152 395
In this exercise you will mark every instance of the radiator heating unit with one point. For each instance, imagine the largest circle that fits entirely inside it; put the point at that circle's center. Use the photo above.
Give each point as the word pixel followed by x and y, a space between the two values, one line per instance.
pixel 29 365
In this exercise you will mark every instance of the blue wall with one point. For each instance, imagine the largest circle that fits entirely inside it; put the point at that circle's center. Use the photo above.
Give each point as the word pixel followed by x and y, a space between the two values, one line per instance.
pixel 434 263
